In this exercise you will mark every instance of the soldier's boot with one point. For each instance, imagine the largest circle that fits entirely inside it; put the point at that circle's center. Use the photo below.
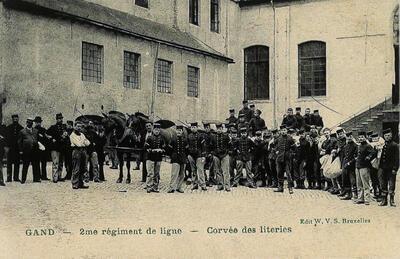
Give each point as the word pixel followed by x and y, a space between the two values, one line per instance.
pixel 383 201
pixel 346 197
pixel 342 193
pixel 391 201
pixel 291 190
pixel 128 178
pixel 354 196
pixel 119 180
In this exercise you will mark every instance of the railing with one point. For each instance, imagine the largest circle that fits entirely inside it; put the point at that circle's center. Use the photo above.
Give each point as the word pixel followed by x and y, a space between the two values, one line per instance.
pixel 370 109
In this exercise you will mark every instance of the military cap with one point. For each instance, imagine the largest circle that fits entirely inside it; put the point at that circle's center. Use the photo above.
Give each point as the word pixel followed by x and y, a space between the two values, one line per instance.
pixel 14 116
pixel 206 124
pixel 369 133
pixel 231 110
pixel 194 124
pixel 157 125
pixel 252 105
pixel 386 131
pixel 70 123
pixel 291 130
pixel 29 119
pixel 290 109
pixel 339 131
pixel 258 133
pixel 241 115
pixel 38 119
pixel 298 108
pixel 59 116
pixel 218 125
pixel 245 101
pixel 375 135
pixel 333 135
pixel 316 111
pixel 348 134
pixel 362 133
pixel 258 111
pixel 243 129
pixel 267 134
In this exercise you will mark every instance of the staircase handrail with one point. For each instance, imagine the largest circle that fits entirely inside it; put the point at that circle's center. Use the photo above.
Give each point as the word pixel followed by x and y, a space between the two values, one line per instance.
pixel 364 109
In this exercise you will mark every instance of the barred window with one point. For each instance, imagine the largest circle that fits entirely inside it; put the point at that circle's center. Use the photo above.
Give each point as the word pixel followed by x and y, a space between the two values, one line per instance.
pixel 164 76
pixel 131 70
pixel 92 62
pixel 142 3
pixel 193 81
pixel 214 15
pixel 194 12
pixel 256 73
pixel 312 69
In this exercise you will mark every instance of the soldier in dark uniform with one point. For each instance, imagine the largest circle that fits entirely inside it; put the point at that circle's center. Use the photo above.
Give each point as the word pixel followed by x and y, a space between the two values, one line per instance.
pixel 68 151
pixel 256 123
pixel 221 146
pixel 210 178
pixel 272 158
pixel 259 159
pixel 143 138
pixel 128 140
pixel 349 168
pixel 246 111
pixel 374 141
pixel 28 146
pixel 155 145
pixel 57 138
pixel 244 148
pixel 242 123
pixel 42 154
pixel 317 119
pixel 252 110
pixel 313 164
pixel 3 133
pixel 178 147
pixel 197 156
pixel 327 146
pixel 13 156
pixel 283 145
pixel 231 119
pixel 299 119
pixel 233 135
pixel 302 152
pixel 388 167
pixel 307 117
pixel 289 120
pixel 100 142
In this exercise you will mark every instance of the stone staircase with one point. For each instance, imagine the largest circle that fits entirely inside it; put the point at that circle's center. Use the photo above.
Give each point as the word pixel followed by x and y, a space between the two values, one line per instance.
pixel 373 117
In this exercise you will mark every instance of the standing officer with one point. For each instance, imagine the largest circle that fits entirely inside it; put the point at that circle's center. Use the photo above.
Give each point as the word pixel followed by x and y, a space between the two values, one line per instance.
pixel 179 148
pixel 272 158
pixel 246 111
pixel 259 158
pixel 210 180
pixel 302 153
pixel 388 165
pixel 244 149
pixel 252 109
pixel 283 145
pixel 349 168
pixel 232 161
pixel 58 135
pixel 28 146
pixel 79 157
pixel 257 123
pixel 100 141
pixel 12 149
pixel 155 146
pixel 299 119
pixel 221 146
pixel 42 154
pixel 232 119
pixel 143 138
pixel 289 120
pixel 197 156
pixel 307 117
pixel 317 119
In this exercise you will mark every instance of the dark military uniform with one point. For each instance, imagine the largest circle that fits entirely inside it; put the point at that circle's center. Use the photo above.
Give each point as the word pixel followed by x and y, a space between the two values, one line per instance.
pixel 221 146
pixel 197 158
pixel 28 145
pixel 302 151
pixel 179 148
pixel 272 162
pixel 42 154
pixel 153 163
pixel 13 156
pixel 349 168
pixel 244 148
pixel 317 121
pixel 57 145
pixel 299 121
pixel 307 119
pixel 313 165
pixel 256 124
pixel 248 114
pixel 389 164
pixel 232 120
pixel 259 159
pixel 290 121
pixel 283 146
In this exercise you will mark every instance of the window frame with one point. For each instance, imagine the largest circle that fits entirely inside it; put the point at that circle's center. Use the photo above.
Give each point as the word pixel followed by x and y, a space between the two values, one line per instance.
pixel 313 61
pixel 127 84
pixel 142 5
pixel 258 63
pixel 215 24
pixel 171 73
pixel 195 93
pixel 194 12
pixel 85 77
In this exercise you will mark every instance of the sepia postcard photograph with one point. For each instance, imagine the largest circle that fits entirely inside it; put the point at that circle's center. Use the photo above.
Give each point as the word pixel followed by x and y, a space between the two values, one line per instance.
pixel 199 129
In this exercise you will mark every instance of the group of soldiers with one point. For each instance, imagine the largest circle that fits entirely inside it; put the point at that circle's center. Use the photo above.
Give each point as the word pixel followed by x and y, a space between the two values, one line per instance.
pixel 206 156
pixel 63 143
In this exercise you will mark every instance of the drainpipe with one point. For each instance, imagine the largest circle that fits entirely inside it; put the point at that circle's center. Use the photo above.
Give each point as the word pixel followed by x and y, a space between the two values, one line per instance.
pixel 274 66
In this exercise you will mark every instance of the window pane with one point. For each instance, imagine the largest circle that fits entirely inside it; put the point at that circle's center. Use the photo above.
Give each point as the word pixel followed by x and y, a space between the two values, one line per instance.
pixel 312 69
pixel 256 74
pixel 131 70
pixel 193 11
pixel 92 62
pixel 193 81
pixel 214 15
pixel 164 75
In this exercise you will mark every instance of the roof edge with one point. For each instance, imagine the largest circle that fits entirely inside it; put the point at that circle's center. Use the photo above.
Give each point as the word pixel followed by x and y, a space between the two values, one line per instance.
pixel 42 10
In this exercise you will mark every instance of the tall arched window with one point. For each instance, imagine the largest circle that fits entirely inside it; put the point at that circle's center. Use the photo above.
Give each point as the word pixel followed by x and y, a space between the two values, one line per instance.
pixel 256 73
pixel 312 69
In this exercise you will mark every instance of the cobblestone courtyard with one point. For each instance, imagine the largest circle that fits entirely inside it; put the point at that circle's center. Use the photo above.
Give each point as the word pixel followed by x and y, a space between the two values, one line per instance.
pixel 195 218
